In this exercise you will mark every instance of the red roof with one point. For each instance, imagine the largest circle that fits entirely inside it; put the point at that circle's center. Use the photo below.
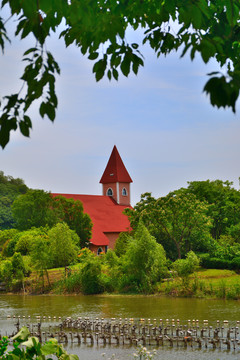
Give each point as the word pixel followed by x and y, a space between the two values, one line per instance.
pixel 107 216
pixel 115 170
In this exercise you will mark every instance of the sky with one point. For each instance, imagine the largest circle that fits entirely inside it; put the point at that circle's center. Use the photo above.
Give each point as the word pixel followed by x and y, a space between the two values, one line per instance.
pixel 162 123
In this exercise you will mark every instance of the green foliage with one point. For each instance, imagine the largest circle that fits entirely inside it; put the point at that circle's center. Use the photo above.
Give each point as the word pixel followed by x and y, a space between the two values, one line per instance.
pixel 24 244
pixel 111 271
pixel 9 247
pixel 177 217
pixel 234 231
pixel 91 277
pixel 41 259
pixel 223 204
pixel 10 189
pixel 185 267
pixel 111 258
pixel 85 254
pixel 18 265
pixel 6 272
pixel 99 29
pixel 33 210
pixel 144 261
pixel 211 262
pixel 38 208
pixel 121 243
pixel 26 347
pixel 6 235
pixel 26 238
pixel 73 283
pixel 71 212
pixel 62 248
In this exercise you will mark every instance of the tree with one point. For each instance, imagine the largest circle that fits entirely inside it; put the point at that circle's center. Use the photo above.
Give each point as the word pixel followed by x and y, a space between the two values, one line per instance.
pixel 62 248
pixel 99 28
pixel 34 209
pixel 40 256
pixel 91 276
pixel 18 268
pixel 6 272
pixel 71 212
pixel 25 239
pixel 144 261
pixel 6 235
pixel 121 243
pixel 10 189
pixel 178 216
pixel 223 204
pixel 185 267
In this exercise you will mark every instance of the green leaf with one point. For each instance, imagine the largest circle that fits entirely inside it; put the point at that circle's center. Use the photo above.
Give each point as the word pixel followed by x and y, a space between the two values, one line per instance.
pixel 50 111
pixel 213 73
pixel 24 128
pixel 196 17
pixel 99 75
pixel 125 65
pixel 109 74
pixel 222 93
pixel 30 50
pixel 115 74
pixel 93 56
pixel 50 347
pixel 207 49
pixel 31 342
pixel 135 46
pixel 22 335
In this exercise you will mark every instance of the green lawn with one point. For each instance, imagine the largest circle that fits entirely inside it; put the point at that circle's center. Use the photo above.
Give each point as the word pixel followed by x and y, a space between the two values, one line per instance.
pixel 205 283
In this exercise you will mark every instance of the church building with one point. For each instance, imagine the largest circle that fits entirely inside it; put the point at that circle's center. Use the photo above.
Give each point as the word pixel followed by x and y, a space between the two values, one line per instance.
pixel 106 210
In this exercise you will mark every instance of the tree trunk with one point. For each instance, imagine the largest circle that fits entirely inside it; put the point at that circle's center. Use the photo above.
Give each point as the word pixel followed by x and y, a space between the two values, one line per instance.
pixel 178 249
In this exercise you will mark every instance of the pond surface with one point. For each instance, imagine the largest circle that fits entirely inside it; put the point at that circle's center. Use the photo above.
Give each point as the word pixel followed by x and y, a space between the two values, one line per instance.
pixel 137 307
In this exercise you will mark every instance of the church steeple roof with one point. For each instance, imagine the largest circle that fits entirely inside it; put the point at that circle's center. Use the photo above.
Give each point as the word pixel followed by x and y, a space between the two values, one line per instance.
pixel 115 170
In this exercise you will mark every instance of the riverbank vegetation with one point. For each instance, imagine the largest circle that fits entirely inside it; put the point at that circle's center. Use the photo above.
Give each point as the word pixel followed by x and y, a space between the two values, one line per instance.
pixel 173 241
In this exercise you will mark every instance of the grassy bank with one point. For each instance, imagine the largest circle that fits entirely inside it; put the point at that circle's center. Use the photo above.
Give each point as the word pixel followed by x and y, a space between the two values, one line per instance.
pixel 221 284
pixel 214 283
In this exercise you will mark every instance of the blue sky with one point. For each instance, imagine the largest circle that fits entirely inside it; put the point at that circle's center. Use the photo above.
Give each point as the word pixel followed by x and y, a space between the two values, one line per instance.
pixel 164 127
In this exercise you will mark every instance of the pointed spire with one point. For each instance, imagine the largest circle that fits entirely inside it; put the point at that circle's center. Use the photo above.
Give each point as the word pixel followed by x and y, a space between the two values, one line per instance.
pixel 115 170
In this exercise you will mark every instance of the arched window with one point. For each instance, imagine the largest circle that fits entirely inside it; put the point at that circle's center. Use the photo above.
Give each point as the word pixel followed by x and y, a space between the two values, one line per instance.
pixel 99 250
pixel 109 192
pixel 124 192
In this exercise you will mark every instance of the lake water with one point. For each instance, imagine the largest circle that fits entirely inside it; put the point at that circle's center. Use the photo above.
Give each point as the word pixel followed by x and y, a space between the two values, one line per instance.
pixel 122 307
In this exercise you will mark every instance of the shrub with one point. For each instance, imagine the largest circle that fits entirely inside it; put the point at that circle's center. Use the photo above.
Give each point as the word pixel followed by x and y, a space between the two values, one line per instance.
pixel 209 262
pixel 84 254
pixel 73 282
pixel 24 243
pixel 121 244
pixel 62 247
pixel 236 263
pixel 185 267
pixel 91 277
pixel 18 265
pixel 6 235
pixel 6 272
pixel 111 258
pixel 144 263
pixel 9 247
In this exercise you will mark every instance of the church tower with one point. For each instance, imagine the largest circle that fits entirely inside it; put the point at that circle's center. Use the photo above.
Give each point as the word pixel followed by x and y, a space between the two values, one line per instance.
pixel 116 180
